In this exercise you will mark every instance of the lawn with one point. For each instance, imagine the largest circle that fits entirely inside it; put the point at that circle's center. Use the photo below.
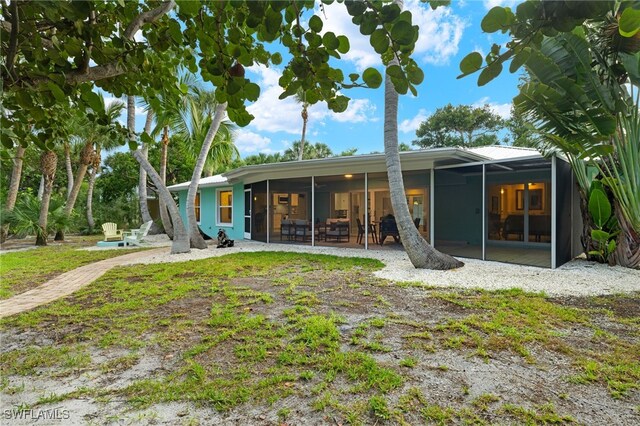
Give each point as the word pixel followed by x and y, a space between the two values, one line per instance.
pixel 24 270
pixel 297 338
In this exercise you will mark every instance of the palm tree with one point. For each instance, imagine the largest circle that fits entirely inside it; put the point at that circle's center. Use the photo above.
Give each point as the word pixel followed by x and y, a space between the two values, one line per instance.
pixel 165 116
pixel 421 253
pixel 198 120
pixel 191 127
pixel 301 97
pixel 106 141
pixel 48 164
pixel 142 179
pixel 14 185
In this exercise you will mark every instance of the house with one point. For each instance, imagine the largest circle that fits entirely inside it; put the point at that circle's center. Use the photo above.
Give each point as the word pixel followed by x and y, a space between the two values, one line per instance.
pixel 494 203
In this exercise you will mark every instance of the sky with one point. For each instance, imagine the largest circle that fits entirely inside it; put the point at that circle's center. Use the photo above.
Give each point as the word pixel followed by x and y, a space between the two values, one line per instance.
pixel 446 36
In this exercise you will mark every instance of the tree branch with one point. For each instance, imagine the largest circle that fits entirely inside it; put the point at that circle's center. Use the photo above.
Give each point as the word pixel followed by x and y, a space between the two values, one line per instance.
pixel 148 17
pixel 115 68
pixel 13 40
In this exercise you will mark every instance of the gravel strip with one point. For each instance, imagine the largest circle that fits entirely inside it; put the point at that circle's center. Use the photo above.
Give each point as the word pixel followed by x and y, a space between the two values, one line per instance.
pixel 576 278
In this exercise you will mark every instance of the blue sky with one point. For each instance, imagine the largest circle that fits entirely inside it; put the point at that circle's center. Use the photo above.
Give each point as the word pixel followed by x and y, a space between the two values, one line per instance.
pixel 446 36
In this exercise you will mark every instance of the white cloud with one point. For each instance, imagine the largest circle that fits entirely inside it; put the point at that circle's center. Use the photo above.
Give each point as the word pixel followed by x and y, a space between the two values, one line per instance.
pixel 411 125
pixel 249 142
pixel 489 4
pixel 275 115
pixel 503 110
pixel 440 34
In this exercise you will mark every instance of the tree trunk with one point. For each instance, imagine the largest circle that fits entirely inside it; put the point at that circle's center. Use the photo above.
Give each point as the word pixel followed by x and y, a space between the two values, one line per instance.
pixel 14 186
pixel 587 226
pixel 180 236
pixel 164 214
pixel 142 181
pixel 627 252
pixel 86 157
pixel 92 181
pixel 67 165
pixel 305 117
pixel 194 231
pixel 421 253
pixel 48 163
pixel 41 188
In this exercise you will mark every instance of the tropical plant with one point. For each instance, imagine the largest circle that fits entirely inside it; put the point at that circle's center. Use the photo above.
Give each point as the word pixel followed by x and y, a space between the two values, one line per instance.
pixel 23 218
pixel 92 136
pixel 105 142
pixel 582 59
pixel 605 225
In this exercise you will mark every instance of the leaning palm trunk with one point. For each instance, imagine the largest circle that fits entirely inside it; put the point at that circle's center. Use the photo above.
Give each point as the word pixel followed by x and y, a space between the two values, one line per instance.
pixel 194 231
pixel 421 254
pixel 48 163
pixel 92 180
pixel 142 181
pixel 164 214
pixel 86 158
pixel 14 185
pixel 180 236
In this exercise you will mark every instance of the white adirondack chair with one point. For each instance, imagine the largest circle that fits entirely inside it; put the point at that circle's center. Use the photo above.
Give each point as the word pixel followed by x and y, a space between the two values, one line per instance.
pixel 135 237
pixel 111 232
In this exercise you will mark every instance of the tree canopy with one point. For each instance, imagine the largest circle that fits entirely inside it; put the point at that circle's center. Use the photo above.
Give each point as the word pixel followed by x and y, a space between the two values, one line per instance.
pixel 53 64
pixel 461 125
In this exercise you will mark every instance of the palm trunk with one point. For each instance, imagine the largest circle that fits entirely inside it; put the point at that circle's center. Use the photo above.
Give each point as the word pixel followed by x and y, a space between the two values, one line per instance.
pixel 421 253
pixel 627 252
pixel 305 116
pixel 92 181
pixel 48 163
pixel 41 188
pixel 72 197
pixel 142 181
pixel 67 165
pixel 14 186
pixel 194 231
pixel 180 237
pixel 164 214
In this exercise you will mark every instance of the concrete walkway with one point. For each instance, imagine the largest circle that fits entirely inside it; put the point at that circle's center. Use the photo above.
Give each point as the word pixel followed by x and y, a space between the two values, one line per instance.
pixel 69 282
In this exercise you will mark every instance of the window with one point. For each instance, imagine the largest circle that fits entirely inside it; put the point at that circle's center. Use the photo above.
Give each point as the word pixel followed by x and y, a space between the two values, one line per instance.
pixel 225 207
pixel 197 206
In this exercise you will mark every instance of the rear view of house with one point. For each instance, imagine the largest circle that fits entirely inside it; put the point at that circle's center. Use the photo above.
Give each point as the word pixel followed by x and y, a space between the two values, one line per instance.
pixel 492 203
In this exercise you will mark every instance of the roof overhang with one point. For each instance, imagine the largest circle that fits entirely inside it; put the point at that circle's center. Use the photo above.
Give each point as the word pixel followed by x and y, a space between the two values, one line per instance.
pixel 370 163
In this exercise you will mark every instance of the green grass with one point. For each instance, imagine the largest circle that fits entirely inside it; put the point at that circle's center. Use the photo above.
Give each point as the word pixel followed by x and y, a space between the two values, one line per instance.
pixel 24 270
pixel 238 330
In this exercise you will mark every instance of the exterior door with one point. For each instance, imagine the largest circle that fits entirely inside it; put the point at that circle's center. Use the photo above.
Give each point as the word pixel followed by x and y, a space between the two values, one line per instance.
pixel 247 214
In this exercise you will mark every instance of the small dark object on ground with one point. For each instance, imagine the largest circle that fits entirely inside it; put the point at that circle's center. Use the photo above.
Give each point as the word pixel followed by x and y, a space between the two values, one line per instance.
pixel 223 240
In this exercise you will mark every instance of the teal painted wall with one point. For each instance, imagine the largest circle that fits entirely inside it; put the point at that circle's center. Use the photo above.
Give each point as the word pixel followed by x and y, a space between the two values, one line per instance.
pixel 208 211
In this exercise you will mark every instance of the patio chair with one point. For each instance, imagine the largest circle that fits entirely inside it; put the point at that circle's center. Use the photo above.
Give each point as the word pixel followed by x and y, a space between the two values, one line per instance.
pixel 287 229
pixel 302 230
pixel 360 231
pixel 337 230
pixel 135 237
pixel 389 228
pixel 111 232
